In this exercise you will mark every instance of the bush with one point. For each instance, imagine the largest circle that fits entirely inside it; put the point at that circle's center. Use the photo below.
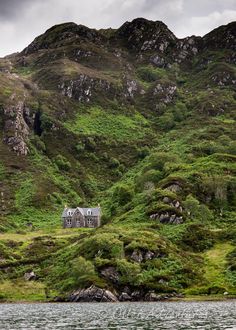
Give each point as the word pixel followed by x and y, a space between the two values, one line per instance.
pixel 195 210
pixel 90 143
pixel 198 238
pixel 46 122
pixel 114 163
pixel 80 147
pixel 166 121
pixel 148 180
pixel 62 163
pixel 38 143
pixel 159 159
pixel 122 194
pixel 149 73
pixel 129 271
pixel 143 152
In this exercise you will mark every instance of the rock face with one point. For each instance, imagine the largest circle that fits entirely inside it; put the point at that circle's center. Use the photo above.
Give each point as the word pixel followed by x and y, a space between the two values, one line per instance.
pixel 143 35
pixel 85 87
pixel 92 294
pixel 16 130
pixel 173 215
pixel 164 93
pixel 30 276
pixel 110 274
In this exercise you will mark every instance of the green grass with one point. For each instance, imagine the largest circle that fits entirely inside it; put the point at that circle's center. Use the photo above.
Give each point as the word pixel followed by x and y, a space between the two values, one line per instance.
pixel 22 291
pixel 100 122
pixel 215 264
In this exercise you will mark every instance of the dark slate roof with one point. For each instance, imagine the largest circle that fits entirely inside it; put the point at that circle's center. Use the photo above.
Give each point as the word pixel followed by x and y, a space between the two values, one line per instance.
pixel 95 211
pixel 66 211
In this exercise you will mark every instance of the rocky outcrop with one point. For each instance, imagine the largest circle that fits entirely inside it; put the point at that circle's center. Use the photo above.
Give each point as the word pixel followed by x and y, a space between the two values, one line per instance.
pixel 144 35
pixel 221 37
pixel 187 48
pixel 164 93
pixel 96 294
pixel 30 276
pixel 111 274
pixel 144 255
pixel 168 217
pixel 172 215
pixel 92 294
pixel 85 87
pixel 16 129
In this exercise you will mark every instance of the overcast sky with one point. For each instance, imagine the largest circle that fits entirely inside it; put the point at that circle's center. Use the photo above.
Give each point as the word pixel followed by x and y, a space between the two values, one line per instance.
pixel 22 20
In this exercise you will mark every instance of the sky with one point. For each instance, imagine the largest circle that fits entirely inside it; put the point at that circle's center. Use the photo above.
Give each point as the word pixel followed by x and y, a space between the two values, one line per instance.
pixel 23 20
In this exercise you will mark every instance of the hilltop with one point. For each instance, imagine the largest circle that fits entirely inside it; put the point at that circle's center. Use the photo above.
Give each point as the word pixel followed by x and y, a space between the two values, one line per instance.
pixel 140 122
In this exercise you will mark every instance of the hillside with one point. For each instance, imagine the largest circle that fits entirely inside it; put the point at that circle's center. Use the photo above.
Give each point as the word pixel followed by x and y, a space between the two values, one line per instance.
pixel 142 123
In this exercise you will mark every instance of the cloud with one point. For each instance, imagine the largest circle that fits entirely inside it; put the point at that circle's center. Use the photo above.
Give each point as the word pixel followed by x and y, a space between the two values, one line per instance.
pixel 9 9
pixel 205 24
pixel 22 20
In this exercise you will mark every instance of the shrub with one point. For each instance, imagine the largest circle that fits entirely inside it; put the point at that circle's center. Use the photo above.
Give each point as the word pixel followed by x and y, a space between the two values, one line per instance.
pixel 80 147
pixel 159 159
pixel 149 73
pixel 128 270
pixel 198 237
pixel 90 143
pixel 38 143
pixel 114 163
pixel 195 210
pixel 62 163
pixel 143 152
pixel 122 194
pixel 148 180
pixel 46 122
pixel 166 121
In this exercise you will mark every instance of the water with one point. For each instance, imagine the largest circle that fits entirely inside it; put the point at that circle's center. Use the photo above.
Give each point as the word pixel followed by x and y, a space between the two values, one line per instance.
pixel 140 316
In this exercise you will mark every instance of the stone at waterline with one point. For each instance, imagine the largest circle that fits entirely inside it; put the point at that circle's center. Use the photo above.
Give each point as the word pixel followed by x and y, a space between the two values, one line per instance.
pixel 92 294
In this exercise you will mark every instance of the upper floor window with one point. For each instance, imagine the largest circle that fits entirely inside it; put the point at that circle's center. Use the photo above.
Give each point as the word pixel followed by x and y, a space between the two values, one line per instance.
pixel 89 212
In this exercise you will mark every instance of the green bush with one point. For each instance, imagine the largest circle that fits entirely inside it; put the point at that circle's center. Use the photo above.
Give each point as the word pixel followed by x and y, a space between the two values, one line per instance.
pixel 197 237
pixel 38 143
pixel 143 152
pixel 148 180
pixel 62 163
pixel 149 73
pixel 129 271
pixel 80 147
pixel 114 163
pixel 122 194
pixel 46 122
pixel 166 121
pixel 195 210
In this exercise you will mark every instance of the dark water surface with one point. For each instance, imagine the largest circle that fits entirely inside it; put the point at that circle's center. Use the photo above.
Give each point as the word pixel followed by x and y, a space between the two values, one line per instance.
pixel 148 316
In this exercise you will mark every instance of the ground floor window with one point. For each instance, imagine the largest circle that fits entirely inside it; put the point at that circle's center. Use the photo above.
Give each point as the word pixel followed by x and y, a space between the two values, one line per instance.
pixel 90 223
pixel 69 222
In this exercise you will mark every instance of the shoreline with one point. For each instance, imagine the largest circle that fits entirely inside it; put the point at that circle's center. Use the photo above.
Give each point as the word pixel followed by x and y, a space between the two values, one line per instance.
pixel 184 299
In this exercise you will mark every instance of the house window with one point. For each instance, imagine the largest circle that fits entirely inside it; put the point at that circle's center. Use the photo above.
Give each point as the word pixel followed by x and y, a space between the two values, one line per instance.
pixel 90 223
pixel 69 222
pixel 89 212
pixel 78 223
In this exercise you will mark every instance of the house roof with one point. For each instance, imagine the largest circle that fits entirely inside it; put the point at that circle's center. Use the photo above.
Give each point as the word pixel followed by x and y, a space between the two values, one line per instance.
pixel 66 211
pixel 95 211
